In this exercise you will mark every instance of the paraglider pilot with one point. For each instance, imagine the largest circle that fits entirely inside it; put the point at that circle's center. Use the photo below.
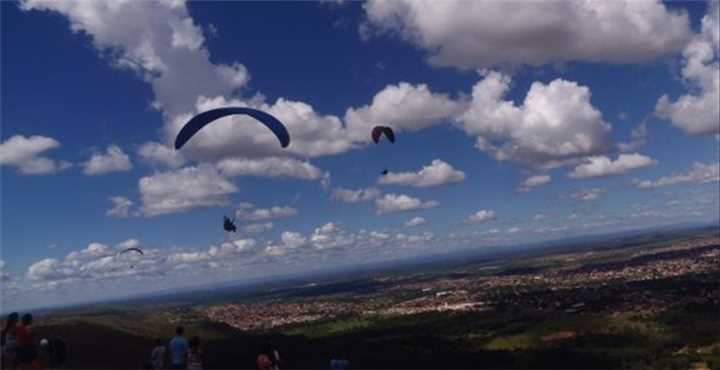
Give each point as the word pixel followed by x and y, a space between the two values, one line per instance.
pixel 228 224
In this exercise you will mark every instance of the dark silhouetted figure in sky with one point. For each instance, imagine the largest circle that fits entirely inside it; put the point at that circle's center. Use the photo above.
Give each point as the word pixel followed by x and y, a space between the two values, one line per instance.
pixel 228 224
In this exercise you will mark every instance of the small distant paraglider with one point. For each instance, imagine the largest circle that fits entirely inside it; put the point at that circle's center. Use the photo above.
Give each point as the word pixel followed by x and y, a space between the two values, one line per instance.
pixel 128 250
pixel 138 250
pixel 377 131
pixel 201 120
pixel 229 225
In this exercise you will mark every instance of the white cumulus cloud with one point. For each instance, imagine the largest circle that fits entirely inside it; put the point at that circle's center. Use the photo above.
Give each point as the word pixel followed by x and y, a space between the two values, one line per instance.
pixel 701 173
pixel 481 216
pixel 160 41
pixel 698 112
pixel 392 203
pixel 598 166
pixel 436 174
pixel 269 167
pixel 23 153
pixel 122 207
pixel 331 235
pixel 260 214
pixel 184 189
pixel 45 269
pixel 556 122
pixel 533 182
pixel 404 107
pixel 416 221
pixel 481 34
pixel 159 154
pixel 112 160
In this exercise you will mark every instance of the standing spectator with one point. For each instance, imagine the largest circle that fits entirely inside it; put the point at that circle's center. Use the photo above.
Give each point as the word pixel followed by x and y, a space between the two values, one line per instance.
pixel 58 360
pixel 178 349
pixel 27 345
pixel 157 357
pixel 9 342
pixel 275 356
pixel 269 358
pixel 195 355
pixel 46 351
pixel 339 361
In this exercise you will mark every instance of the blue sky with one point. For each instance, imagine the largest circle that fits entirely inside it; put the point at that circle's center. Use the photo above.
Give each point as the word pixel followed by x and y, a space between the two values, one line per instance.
pixel 563 119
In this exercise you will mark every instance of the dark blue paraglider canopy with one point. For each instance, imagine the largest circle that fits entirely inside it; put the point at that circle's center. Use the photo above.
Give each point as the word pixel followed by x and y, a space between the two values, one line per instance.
pixel 201 120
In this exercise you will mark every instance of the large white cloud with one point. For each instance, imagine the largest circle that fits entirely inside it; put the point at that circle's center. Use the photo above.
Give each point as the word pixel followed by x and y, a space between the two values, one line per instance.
pixel 392 203
pixel 93 250
pixel 184 189
pixel 95 264
pixel 24 154
pixel 701 173
pixel 161 42
pixel 533 182
pixel 436 173
pixel 157 39
pixel 603 166
pixel 112 160
pixel 45 269
pixel 480 34
pixel 555 124
pixel 100 270
pixel 269 167
pixel 356 195
pixel 404 107
pixel 698 112
pixel 100 267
